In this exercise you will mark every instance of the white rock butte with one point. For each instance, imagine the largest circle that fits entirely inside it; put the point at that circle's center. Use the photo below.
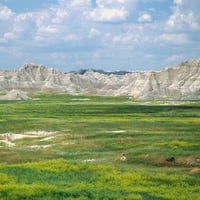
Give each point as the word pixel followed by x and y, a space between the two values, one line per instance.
pixel 181 82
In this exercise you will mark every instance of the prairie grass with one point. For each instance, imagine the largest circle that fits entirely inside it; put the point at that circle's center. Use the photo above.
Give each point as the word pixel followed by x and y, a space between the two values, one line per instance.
pixel 82 159
pixel 59 179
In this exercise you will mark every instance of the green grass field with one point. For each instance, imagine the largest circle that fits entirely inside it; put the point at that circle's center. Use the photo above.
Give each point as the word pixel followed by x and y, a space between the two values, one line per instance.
pixel 59 146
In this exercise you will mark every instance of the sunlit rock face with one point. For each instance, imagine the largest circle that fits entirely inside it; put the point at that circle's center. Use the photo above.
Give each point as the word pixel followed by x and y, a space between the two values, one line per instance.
pixel 181 82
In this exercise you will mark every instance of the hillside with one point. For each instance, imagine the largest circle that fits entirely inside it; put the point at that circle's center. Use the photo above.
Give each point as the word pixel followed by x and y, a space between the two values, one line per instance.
pixel 179 82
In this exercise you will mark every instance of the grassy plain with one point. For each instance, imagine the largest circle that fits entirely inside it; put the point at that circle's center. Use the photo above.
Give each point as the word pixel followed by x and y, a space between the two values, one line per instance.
pixel 78 156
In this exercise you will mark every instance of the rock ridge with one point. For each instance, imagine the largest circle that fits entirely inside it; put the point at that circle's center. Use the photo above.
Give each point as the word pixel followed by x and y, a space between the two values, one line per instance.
pixel 180 82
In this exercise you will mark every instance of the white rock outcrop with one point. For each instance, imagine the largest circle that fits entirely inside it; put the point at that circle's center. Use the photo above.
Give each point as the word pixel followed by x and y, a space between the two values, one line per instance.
pixel 178 82
pixel 15 95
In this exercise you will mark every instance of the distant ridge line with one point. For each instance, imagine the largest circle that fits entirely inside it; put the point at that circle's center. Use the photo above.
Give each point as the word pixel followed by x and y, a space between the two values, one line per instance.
pixel 180 82
pixel 100 71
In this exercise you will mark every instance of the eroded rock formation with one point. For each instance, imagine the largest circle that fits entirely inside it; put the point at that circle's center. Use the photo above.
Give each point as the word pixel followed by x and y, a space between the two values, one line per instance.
pixel 178 82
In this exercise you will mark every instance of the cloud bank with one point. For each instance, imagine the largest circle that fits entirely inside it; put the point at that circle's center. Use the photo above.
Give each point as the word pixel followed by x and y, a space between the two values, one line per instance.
pixel 107 34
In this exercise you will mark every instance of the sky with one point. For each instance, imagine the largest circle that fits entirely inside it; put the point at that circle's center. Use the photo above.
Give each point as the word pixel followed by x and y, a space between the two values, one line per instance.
pixel 131 35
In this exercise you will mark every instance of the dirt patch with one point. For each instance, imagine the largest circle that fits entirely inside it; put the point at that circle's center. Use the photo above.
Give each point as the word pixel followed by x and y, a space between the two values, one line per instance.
pixel 90 160
pixel 2 153
pixel 81 99
pixel 38 147
pixel 9 138
pixel 40 133
pixel 8 143
pixel 118 131
pixel 195 170
pixel 47 138
pixel 30 134
pixel 190 160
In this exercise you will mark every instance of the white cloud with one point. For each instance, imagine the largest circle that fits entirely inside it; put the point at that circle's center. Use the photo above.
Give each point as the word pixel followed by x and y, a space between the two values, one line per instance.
pixel 80 2
pixel 108 15
pixel 59 16
pixel 70 29
pixel 47 29
pixel 73 4
pixel 145 18
pixel 176 58
pixel 149 56
pixel 178 2
pixel 9 36
pixel 63 21
pixel 126 38
pixel 93 33
pixel 185 16
pixel 16 26
pixel 71 37
pixel 181 20
pixel 177 39
pixel 111 10
pixel 5 12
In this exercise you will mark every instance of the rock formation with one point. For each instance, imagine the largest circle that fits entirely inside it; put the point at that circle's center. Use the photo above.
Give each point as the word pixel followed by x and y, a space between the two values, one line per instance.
pixel 181 82
pixel 15 95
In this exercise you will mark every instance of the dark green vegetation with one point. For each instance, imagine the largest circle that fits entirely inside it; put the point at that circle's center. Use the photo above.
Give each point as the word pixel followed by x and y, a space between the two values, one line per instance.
pixel 77 156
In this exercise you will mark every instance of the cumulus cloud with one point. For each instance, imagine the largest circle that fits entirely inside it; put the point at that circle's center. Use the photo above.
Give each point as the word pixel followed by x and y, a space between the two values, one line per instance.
pixel 61 22
pixel 180 20
pixel 5 12
pixel 111 10
pixel 178 2
pixel 59 16
pixel 126 38
pixel 145 18
pixel 100 32
pixel 79 2
pixel 93 33
pixel 177 39
pixel 108 15
pixel 185 16
pixel 47 29
pixel 9 36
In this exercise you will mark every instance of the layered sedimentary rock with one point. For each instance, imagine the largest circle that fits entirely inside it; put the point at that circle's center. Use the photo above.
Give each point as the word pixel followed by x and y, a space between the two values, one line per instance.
pixel 178 82
pixel 15 95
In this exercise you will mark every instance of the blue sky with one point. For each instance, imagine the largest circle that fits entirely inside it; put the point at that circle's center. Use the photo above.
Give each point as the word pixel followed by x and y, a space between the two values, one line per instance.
pixel 101 34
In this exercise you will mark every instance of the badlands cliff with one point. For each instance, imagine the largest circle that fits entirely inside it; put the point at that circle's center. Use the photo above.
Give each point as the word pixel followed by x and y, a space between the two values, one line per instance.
pixel 181 82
